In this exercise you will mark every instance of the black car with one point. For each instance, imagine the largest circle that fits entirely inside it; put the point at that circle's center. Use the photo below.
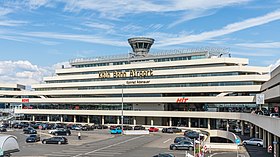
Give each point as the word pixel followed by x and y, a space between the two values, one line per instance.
pixel 3 129
pixel 32 138
pixel 29 131
pixel 101 127
pixel 62 132
pixel 183 138
pixel 164 155
pixel 171 130
pixel 182 145
pixel 139 128
pixel 55 140
pixel 86 128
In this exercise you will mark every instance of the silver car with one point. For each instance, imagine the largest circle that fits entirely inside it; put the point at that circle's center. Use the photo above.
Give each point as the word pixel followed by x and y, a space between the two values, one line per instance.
pixel 254 141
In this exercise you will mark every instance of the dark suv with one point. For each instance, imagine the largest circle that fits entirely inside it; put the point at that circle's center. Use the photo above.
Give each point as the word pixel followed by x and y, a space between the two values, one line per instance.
pixel 62 132
pixel 139 127
pixel 29 131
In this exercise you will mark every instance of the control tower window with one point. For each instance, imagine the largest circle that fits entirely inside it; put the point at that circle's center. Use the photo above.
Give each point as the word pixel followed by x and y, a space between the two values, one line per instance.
pixel 145 45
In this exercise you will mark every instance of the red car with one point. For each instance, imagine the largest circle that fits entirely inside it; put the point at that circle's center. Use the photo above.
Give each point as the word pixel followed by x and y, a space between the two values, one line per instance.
pixel 153 129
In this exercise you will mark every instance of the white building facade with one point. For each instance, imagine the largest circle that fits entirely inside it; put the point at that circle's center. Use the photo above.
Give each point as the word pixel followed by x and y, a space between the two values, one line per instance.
pixel 153 88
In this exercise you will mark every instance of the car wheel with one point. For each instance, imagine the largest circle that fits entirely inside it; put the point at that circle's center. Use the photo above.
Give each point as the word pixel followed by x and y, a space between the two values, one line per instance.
pixel 258 145
pixel 67 134
pixel 190 148
pixel 44 142
pixel 174 148
pixel 245 143
pixel 56 134
pixel 59 142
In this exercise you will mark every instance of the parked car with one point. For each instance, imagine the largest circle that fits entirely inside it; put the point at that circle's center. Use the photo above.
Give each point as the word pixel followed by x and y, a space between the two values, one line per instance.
pixel 62 132
pixel 32 138
pixel 182 145
pixel 138 127
pixel 101 127
pixel 113 127
pixel 253 141
pixel 164 155
pixel 127 127
pixel 275 115
pixel 153 129
pixel 29 131
pixel 55 140
pixel 191 134
pixel 237 130
pixel 171 130
pixel 183 138
pixel 86 128
pixel 51 131
pixel 76 127
pixel 116 131
pixel 3 129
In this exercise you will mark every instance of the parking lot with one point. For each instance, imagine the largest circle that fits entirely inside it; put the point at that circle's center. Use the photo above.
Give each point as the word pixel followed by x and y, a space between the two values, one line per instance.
pixel 100 143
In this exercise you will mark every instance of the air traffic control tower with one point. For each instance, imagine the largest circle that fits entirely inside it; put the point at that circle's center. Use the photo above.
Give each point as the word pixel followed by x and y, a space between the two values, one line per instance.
pixel 140 46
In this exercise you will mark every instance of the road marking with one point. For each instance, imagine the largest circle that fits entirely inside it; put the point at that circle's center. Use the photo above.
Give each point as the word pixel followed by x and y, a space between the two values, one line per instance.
pixel 167 140
pixel 109 146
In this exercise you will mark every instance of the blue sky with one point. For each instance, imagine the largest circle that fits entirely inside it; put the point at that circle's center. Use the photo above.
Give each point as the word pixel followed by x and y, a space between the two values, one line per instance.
pixel 36 36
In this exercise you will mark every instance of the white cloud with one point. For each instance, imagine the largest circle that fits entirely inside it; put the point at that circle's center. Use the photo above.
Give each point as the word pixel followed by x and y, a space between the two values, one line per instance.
pixel 275 45
pixel 190 16
pixel 23 72
pixel 253 54
pixel 234 27
pixel 75 37
pixel 12 23
pixel 113 8
pixel 98 25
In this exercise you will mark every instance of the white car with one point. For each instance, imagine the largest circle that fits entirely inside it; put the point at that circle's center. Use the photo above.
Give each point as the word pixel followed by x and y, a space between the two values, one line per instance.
pixel 254 141
pixel 51 131
pixel 274 115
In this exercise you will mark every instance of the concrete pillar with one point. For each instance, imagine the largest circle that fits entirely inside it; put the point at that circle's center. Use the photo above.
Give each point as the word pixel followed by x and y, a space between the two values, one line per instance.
pixel 242 127
pixel 276 146
pixel 198 125
pixel 256 131
pixel 75 120
pixel 118 120
pixel 264 135
pixel 88 119
pixel 227 126
pixel 251 130
pixel 260 133
pixel 209 123
pixel 152 122
pixel 102 120
pixel 170 121
pixel 48 118
pixel 134 121
pixel 61 118
pixel 190 123
pixel 269 139
pixel 33 118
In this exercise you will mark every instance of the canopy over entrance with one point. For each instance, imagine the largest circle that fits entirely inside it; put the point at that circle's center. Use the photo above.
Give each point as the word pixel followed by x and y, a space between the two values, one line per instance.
pixel 8 145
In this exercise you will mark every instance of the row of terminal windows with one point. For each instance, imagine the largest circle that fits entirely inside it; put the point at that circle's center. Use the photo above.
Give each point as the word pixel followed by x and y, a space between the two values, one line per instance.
pixel 155 60
pixel 157 85
pixel 150 77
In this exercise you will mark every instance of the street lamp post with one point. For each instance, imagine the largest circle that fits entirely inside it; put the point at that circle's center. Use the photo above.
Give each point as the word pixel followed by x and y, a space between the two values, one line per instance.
pixel 122 110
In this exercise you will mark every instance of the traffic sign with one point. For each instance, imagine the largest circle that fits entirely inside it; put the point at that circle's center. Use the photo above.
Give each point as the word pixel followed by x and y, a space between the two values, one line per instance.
pixel 269 148
pixel 237 141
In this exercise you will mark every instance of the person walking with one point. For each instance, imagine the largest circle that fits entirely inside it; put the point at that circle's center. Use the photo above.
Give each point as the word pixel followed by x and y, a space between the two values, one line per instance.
pixel 79 135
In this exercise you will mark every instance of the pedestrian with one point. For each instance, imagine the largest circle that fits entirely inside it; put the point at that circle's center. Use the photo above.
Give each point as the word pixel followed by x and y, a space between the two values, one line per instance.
pixel 79 135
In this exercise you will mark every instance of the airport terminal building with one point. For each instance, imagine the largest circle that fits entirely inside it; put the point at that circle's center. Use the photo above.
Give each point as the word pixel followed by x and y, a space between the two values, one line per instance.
pixel 149 86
